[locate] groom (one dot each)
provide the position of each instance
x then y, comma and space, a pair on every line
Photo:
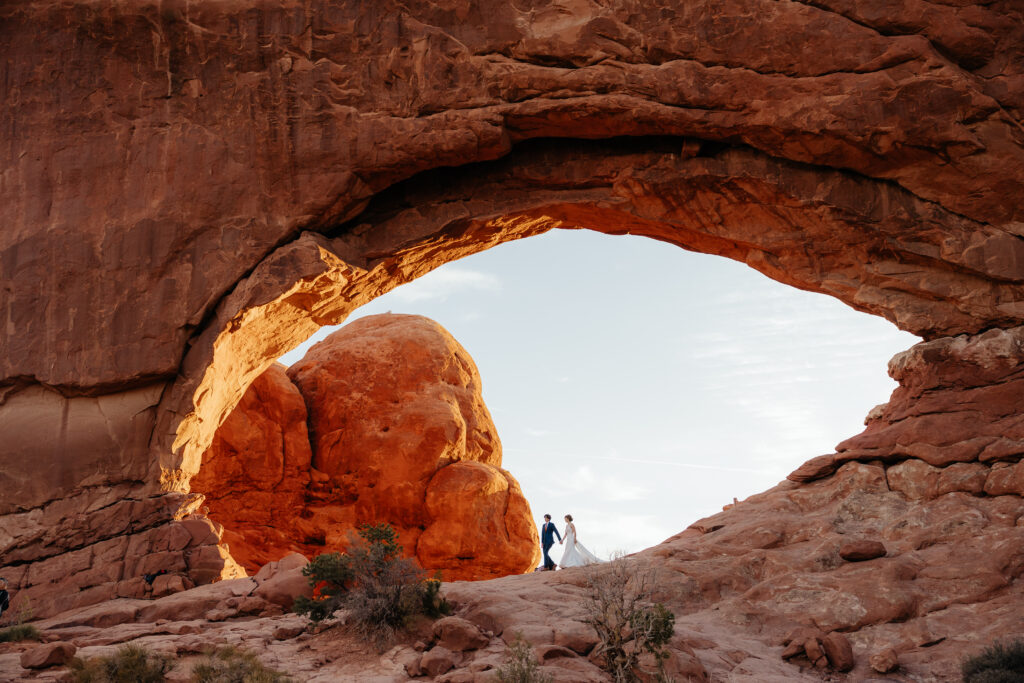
547, 539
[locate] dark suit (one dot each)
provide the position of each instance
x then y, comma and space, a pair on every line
547, 539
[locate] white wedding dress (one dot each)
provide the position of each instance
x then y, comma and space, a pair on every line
575, 554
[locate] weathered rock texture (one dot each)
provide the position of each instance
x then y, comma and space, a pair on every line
400, 435
256, 474
190, 188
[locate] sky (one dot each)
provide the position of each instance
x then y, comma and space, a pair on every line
641, 387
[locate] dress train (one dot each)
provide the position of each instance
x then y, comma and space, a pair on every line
575, 554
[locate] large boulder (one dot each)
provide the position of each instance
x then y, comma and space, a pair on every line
480, 523
47, 655
400, 429
400, 435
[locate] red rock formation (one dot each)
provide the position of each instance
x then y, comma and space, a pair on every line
869, 152
480, 523
401, 435
186, 191
256, 473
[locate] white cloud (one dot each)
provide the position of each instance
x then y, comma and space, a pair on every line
439, 284
537, 432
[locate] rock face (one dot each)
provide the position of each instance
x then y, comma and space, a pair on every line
188, 189
400, 435
256, 473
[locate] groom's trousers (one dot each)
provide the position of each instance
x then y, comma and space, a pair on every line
548, 562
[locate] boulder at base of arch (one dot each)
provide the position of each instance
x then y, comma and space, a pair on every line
400, 434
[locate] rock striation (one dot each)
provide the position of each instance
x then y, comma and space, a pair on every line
400, 434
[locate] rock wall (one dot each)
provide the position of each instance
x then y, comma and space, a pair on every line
400, 435
188, 189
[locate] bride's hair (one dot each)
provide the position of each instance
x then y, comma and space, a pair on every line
569, 517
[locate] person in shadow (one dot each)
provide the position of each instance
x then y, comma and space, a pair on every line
5, 597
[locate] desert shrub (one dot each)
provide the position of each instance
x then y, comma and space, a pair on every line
380, 589
231, 665
998, 663
20, 632
331, 576
996, 676
628, 623
520, 665
434, 604
130, 664
24, 611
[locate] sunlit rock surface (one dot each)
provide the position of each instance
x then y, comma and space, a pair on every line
400, 434
256, 474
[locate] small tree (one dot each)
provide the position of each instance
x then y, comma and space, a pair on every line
331, 577
520, 665
628, 624
381, 589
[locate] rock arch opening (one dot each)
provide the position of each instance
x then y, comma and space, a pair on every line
670, 433
869, 243
203, 183
863, 241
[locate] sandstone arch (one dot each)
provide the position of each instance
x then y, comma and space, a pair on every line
179, 175
869, 244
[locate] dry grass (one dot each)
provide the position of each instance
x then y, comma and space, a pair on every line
520, 665
19, 632
130, 664
232, 665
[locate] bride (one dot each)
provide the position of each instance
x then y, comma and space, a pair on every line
575, 554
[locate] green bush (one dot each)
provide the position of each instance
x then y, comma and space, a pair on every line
381, 589
998, 663
20, 632
131, 664
434, 604
231, 665
520, 665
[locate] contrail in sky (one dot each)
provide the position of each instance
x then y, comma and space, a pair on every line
643, 461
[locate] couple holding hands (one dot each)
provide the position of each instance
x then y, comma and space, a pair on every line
575, 555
